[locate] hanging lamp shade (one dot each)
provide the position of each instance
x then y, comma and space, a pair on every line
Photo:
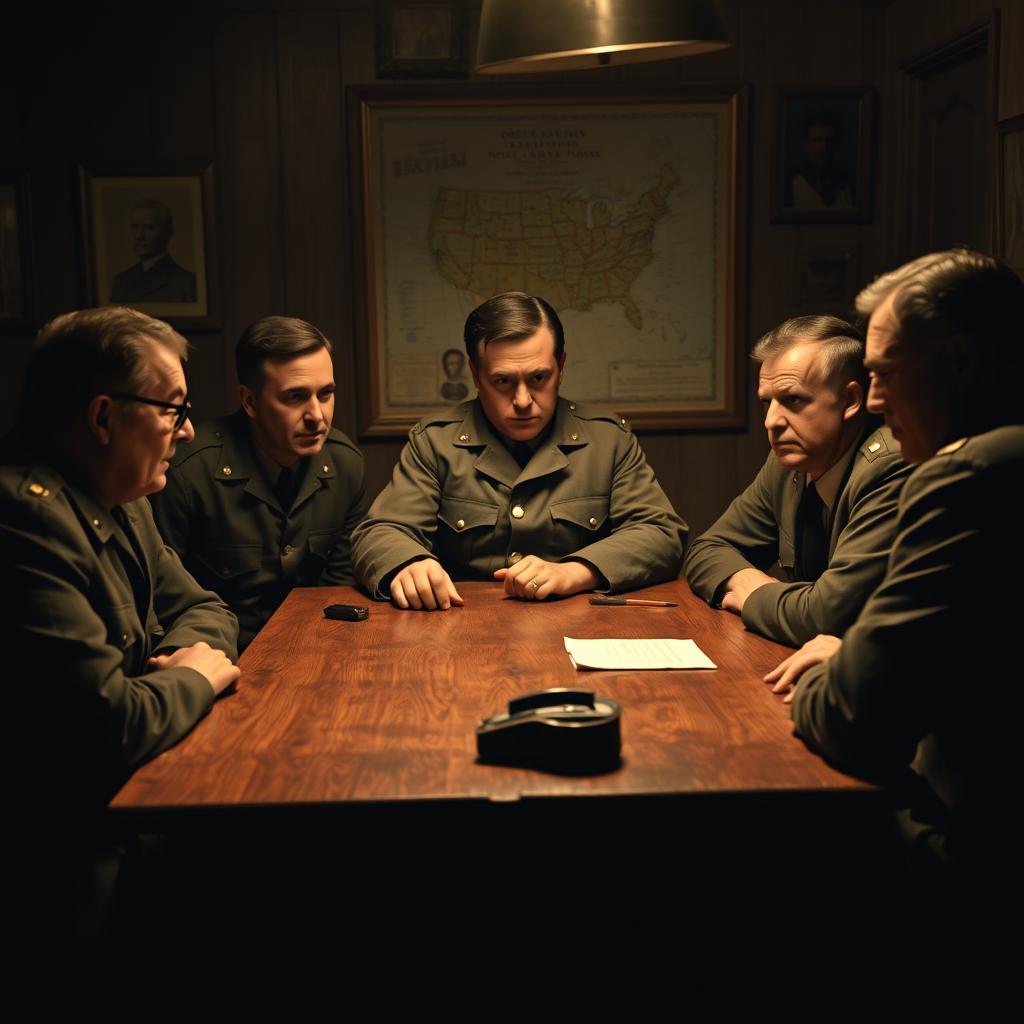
520, 36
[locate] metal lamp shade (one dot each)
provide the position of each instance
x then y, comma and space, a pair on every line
520, 36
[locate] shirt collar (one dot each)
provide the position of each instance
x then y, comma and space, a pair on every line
828, 483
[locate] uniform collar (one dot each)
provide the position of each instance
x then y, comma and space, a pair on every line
475, 432
240, 459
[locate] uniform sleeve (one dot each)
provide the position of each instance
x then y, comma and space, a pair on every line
402, 522
867, 707
745, 536
186, 611
99, 722
794, 613
338, 571
647, 537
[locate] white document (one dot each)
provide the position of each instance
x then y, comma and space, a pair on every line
631, 655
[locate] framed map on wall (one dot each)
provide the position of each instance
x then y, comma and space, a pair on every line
623, 211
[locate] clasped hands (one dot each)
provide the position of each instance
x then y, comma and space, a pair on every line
424, 584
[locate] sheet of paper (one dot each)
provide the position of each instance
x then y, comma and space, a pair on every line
629, 655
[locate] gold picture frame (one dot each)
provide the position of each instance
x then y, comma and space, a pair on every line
626, 212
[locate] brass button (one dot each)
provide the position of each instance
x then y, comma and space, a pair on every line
226, 470
288, 549
327, 468
96, 523
623, 422
463, 437
572, 407
124, 638
574, 436
514, 557
592, 521
874, 447
518, 512
37, 488
460, 523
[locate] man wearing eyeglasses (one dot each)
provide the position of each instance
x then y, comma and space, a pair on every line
265, 500
118, 651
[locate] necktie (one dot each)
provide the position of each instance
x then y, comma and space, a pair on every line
284, 489
813, 538
522, 453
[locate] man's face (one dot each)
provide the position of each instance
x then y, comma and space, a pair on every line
142, 437
149, 235
804, 416
517, 382
453, 365
292, 411
911, 391
820, 143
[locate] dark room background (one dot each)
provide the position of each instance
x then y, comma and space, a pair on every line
259, 91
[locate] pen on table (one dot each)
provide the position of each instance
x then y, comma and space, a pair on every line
632, 600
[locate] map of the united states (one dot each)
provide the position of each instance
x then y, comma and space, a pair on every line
574, 251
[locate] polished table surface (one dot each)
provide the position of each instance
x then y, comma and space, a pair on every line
342, 713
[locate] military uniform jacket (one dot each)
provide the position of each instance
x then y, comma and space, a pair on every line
165, 281
219, 512
458, 495
85, 605
931, 667
760, 527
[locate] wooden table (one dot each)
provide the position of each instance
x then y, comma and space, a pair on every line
340, 784
334, 714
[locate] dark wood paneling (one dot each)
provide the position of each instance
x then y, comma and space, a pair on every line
259, 88
316, 253
249, 165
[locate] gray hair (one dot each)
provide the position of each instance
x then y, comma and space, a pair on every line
842, 346
91, 352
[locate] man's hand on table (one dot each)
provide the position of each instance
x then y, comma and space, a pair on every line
787, 673
213, 665
532, 578
740, 585
425, 586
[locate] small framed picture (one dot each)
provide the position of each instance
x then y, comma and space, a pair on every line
421, 39
1010, 193
15, 254
823, 159
825, 280
149, 243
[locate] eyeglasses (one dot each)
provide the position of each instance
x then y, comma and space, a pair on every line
181, 411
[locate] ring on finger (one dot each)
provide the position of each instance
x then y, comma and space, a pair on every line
533, 585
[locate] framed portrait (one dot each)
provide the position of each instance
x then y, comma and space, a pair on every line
622, 210
15, 254
1010, 193
821, 170
421, 39
826, 280
148, 242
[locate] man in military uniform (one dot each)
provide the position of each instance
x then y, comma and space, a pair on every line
118, 650
156, 277
518, 485
266, 499
823, 505
926, 676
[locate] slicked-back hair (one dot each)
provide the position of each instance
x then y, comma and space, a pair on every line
511, 316
958, 291
87, 353
962, 297
274, 337
842, 347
